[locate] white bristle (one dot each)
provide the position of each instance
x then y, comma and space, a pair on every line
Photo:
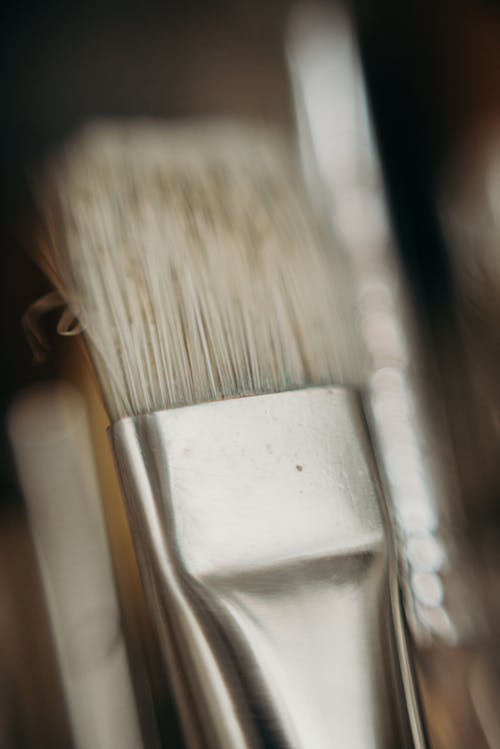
193, 262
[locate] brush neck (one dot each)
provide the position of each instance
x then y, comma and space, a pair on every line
262, 548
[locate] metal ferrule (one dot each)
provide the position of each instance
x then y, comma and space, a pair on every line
262, 547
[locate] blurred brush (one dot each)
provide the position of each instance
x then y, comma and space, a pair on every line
50, 436
217, 317
154, 700
409, 423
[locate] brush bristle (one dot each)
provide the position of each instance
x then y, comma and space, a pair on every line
192, 260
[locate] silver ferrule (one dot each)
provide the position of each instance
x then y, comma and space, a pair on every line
262, 548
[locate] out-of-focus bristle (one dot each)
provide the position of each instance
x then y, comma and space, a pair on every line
194, 264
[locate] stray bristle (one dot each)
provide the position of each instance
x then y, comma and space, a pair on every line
194, 265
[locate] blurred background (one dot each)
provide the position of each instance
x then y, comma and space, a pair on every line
433, 69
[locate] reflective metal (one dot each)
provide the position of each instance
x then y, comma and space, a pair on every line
341, 164
407, 420
263, 551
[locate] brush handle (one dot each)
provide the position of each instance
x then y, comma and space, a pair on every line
50, 435
263, 551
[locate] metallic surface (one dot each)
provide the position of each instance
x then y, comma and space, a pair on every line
406, 415
342, 166
262, 546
